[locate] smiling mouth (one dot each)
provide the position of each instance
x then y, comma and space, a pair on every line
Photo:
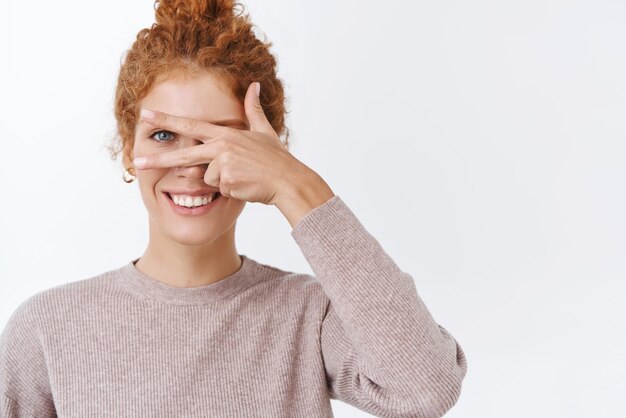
189, 204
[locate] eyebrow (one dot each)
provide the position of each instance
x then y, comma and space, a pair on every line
223, 122
230, 122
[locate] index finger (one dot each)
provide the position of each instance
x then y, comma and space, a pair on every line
188, 156
193, 128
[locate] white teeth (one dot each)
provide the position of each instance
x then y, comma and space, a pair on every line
192, 201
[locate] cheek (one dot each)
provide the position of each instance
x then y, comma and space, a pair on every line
142, 147
236, 207
148, 180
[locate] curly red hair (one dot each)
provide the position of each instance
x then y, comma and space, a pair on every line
191, 37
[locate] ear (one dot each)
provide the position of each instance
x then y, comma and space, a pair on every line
127, 155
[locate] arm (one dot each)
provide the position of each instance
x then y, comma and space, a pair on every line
383, 351
24, 387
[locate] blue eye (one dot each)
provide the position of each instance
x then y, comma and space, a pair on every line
161, 138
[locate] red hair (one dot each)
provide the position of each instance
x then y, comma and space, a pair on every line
191, 37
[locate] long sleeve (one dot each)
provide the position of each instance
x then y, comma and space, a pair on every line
383, 351
24, 386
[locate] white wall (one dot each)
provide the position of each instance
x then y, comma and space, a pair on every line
481, 142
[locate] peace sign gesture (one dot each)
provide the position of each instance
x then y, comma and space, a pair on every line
251, 165
246, 165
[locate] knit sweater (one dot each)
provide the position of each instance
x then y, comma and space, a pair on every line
261, 342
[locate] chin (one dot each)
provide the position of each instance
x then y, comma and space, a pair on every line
194, 239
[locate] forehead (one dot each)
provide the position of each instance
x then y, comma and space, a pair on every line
205, 97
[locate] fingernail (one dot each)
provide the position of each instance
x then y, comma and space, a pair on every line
147, 113
258, 89
140, 161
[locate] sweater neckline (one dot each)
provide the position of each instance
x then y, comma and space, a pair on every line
149, 287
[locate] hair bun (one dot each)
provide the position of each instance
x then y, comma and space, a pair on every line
168, 11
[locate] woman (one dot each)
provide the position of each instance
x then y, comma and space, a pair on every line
192, 328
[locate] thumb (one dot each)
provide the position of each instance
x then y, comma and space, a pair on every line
254, 111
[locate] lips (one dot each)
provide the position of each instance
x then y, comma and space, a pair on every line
197, 192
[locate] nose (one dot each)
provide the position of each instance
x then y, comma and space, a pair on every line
191, 171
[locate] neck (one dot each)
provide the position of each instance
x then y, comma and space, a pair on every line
182, 265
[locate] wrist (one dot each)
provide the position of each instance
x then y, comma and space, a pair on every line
300, 197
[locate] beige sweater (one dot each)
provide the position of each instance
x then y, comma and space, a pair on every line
262, 342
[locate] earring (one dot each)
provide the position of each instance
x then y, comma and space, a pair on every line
129, 175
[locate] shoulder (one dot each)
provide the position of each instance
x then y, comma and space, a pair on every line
46, 305
287, 283
76, 290
290, 294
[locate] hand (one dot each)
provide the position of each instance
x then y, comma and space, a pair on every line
249, 165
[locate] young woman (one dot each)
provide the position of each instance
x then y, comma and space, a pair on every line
192, 328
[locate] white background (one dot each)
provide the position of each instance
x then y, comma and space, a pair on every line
482, 143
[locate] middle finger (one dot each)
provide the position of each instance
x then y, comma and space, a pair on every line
192, 128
